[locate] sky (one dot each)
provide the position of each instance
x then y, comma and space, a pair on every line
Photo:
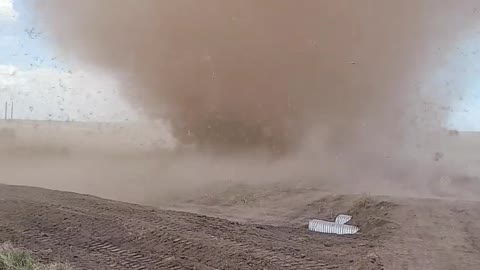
41, 85
461, 77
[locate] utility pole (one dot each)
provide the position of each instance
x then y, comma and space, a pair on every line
11, 112
6, 110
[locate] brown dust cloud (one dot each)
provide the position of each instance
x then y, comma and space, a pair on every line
330, 88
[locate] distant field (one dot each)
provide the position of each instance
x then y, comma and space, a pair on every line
60, 138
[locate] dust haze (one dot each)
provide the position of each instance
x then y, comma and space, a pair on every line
330, 87
250, 73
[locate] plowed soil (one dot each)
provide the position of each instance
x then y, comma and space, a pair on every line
402, 232
93, 233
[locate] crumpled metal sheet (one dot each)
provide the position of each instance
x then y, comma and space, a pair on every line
322, 226
343, 219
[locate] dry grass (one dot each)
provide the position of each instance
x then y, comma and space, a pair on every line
12, 258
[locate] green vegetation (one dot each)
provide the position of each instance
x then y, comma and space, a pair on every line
18, 259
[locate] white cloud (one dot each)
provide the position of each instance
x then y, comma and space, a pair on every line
7, 12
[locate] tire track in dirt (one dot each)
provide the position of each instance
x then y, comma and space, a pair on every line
99, 243
95, 234
227, 237
228, 244
218, 232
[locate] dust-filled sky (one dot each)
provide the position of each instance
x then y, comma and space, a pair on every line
46, 84
41, 85
364, 86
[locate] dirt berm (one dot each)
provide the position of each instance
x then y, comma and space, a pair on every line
93, 233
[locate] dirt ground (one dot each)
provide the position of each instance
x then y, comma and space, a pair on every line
267, 112
403, 232
414, 210
93, 233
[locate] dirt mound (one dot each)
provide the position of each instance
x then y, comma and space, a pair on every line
402, 233
372, 216
93, 233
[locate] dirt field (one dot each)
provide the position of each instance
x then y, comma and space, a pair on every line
403, 232
93, 233
256, 116
237, 213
